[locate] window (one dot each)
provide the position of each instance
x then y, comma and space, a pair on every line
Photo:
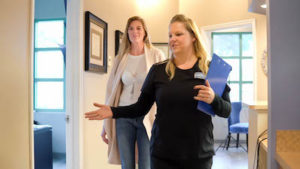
236, 48
49, 65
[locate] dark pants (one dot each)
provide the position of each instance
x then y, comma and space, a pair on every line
160, 163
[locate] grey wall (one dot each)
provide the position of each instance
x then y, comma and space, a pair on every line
284, 75
52, 9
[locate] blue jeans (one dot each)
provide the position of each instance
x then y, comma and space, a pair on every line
129, 131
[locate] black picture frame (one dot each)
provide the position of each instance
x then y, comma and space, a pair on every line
118, 40
95, 44
164, 47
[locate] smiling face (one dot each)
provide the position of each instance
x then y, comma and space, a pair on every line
136, 32
180, 40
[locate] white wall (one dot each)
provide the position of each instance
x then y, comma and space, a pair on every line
204, 12
284, 76
15, 84
116, 13
15, 90
213, 13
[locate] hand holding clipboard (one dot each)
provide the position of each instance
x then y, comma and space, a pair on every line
217, 76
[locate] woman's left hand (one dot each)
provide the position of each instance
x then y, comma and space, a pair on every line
205, 93
103, 112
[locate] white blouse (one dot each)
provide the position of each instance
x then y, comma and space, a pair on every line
133, 78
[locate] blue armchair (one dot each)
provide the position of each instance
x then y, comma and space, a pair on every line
235, 126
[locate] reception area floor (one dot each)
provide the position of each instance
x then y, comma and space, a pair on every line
233, 158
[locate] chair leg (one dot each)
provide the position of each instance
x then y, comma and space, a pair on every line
228, 140
247, 141
237, 140
223, 144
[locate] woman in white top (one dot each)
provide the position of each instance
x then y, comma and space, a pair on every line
135, 57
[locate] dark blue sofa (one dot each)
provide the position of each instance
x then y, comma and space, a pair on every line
43, 147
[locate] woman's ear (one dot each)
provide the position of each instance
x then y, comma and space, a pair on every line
194, 39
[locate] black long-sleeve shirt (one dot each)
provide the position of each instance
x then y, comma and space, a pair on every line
180, 130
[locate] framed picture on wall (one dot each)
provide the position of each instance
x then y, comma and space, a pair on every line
164, 47
118, 40
95, 44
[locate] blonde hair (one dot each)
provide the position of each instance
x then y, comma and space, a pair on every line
126, 44
198, 47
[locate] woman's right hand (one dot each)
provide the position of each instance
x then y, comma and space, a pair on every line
103, 135
103, 112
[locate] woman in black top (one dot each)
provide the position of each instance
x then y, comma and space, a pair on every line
182, 136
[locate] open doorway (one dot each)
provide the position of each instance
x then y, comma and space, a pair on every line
49, 88
235, 43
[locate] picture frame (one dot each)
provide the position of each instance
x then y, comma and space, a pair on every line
95, 44
118, 40
164, 47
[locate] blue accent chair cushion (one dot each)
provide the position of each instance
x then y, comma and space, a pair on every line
239, 128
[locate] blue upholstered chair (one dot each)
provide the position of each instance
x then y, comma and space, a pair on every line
235, 126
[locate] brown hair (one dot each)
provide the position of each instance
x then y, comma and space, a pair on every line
199, 49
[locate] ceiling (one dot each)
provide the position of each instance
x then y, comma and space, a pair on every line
254, 6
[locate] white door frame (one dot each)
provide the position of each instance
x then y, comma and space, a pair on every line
74, 84
206, 36
74, 89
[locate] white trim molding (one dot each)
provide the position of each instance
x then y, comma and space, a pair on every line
74, 84
207, 30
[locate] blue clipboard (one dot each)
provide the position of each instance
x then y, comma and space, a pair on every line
217, 76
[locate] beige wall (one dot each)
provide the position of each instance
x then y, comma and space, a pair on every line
213, 12
15, 120
116, 13
158, 17
15, 86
